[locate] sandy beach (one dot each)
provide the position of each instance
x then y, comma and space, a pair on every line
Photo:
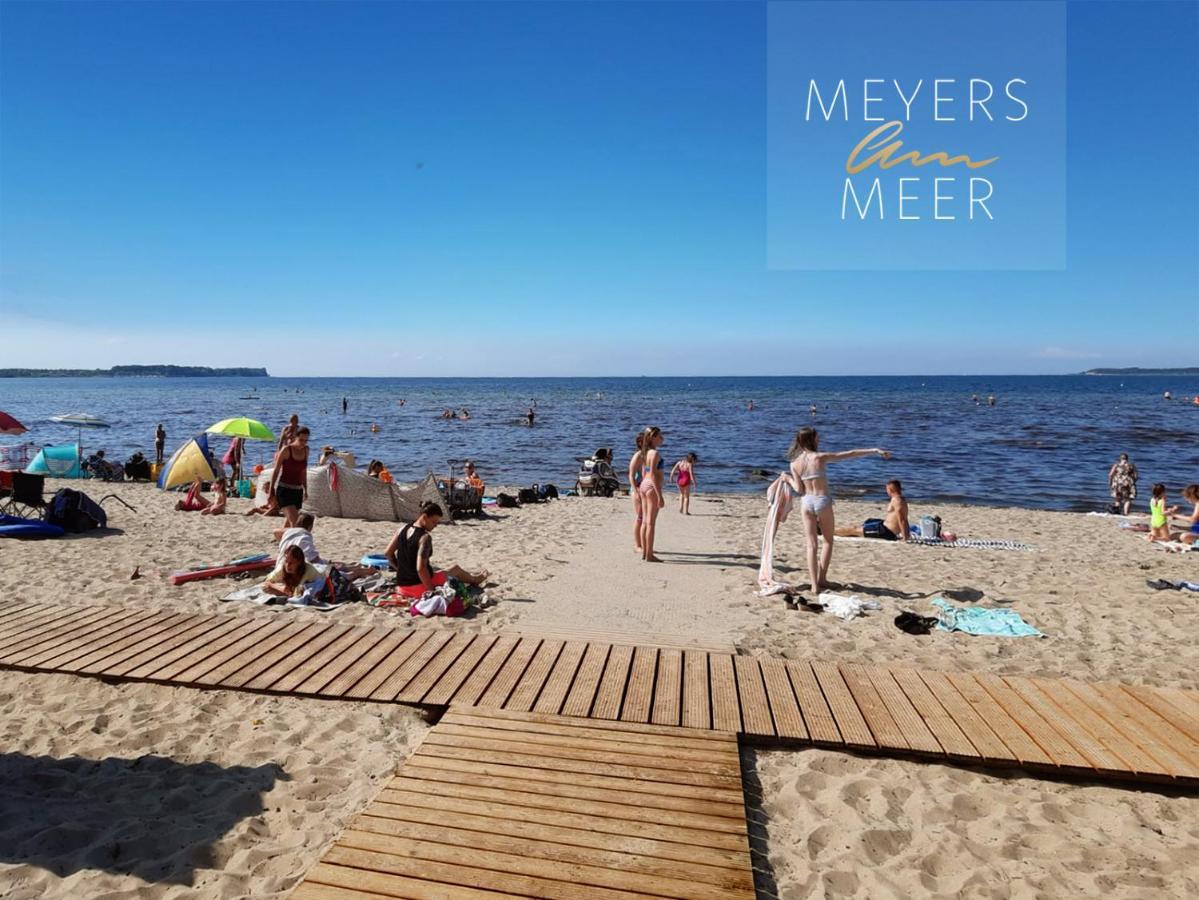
142, 790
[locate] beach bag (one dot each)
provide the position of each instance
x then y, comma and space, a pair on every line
547, 492
75, 511
528, 495
442, 602
340, 588
872, 528
506, 501
930, 527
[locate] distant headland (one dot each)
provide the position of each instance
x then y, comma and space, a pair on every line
137, 372
1193, 370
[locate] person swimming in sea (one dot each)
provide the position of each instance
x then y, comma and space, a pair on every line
809, 476
683, 474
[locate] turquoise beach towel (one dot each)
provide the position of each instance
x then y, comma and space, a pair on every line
992, 622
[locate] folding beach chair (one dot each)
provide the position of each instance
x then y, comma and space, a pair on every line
26, 498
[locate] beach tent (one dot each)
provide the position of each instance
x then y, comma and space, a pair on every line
334, 490
61, 461
191, 461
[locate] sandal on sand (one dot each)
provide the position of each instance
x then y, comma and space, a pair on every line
911, 623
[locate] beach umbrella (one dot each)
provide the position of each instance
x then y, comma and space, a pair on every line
190, 461
243, 428
10, 426
80, 421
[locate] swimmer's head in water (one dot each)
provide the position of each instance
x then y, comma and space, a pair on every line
806, 440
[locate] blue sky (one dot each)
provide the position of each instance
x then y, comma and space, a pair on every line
526, 189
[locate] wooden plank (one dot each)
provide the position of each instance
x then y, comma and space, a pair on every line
653, 746
456, 675
668, 688
1157, 736
569, 793
1187, 701
169, 668
915, 732
514, 742
1134, 758
818, 718
127, 645
1079, 737
1016, 742
985, 742
394, 885
697, 695
788, 721
850, 722
60, 655
717, 848
629, 639
398, 679
248, 651
1059, 749
396, 852
1129, 728
266, 628
564, 845
1167, 710
480, 678
639, 693
589, 778
590, 731
376, 646
610, 694
884, 729
586, 680
204, 628
524, 695
599, 725
726, 709
436, 667
153, 659
561, 677
755, 707
514, 793
949, 736
386, 666
19, 618
510, 672
269, 678
288, 649
39, 634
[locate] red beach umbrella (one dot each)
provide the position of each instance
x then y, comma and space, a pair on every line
9, 425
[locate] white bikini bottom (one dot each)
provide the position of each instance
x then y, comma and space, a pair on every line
814, 503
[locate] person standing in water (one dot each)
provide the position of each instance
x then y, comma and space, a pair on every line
160, 443
634, 472
809, 477
345, 405
1122, 480
652, 500
683, 474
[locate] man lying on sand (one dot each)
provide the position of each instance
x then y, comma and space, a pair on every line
894, 524
410, 551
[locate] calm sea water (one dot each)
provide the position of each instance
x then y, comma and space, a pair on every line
1048, 442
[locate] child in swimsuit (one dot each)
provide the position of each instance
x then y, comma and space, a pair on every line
1159, 515
683, 474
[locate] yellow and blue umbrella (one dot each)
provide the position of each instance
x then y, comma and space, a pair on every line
191, 461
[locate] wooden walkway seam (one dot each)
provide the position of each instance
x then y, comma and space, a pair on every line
1051, 725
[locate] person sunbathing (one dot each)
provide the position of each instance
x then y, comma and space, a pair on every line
217, 506
894, 524
409, 555
195, 500
294, 578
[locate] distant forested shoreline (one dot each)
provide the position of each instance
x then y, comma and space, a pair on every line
1192, 370
137, 372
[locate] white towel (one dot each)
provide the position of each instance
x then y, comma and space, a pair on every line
781, 499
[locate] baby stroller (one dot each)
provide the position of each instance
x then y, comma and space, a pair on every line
596, 476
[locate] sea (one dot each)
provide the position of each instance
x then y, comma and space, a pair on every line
1047, 442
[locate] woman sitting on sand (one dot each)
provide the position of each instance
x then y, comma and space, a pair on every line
1191, 533
217, 506
410, 553
683, 474
810, 478
650, 488
294, 578
195, 499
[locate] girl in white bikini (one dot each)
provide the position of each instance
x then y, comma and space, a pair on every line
809, 478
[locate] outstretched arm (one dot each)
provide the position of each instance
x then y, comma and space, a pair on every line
855, 454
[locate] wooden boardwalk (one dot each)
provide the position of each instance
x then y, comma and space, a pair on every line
532, 805
1107, 731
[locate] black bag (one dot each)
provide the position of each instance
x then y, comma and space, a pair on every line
75, 511
528, 495
872, 528
547, 492
340, 588
506, 501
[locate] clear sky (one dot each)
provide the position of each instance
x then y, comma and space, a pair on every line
527, 189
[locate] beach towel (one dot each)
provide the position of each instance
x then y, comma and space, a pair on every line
973, 544
979, 621
781, 499
846, 606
